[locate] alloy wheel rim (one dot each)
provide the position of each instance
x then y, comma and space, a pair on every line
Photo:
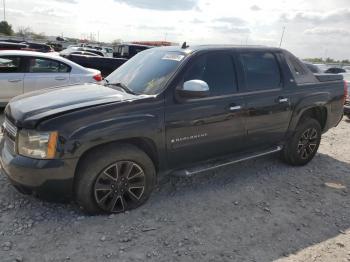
119, 186
307, 143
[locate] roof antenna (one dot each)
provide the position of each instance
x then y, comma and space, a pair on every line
184, 45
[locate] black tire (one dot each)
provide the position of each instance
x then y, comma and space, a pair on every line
23, 190
303, 145
111, 166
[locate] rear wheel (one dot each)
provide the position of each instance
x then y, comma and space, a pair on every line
114, 180
303, 146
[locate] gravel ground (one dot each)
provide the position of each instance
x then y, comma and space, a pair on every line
260, 210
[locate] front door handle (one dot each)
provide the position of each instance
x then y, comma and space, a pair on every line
282, 100
60, 78
15, 80
235, 108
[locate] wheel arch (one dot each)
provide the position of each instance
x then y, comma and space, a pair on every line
145, 144
319, 113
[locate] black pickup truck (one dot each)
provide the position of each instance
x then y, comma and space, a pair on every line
168, 110
105, 64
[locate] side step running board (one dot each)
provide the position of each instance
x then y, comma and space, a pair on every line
210, 165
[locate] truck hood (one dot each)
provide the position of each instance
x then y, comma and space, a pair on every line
26, 110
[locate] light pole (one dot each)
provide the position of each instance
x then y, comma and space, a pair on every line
3, 1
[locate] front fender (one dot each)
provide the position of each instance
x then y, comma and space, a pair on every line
111, 130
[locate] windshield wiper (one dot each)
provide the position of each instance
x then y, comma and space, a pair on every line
122, 86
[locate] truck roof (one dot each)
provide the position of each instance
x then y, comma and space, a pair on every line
195, 48
137, 45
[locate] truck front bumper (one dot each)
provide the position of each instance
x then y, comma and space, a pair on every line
50, 179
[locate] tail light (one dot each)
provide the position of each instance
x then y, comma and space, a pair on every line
98, 77
346, 91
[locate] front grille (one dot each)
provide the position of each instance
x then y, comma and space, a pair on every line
347, 102
10, 128
10, 134
10, 144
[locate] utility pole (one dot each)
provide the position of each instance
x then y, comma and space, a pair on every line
3, 1
284, 29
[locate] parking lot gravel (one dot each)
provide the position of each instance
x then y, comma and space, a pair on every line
260, 210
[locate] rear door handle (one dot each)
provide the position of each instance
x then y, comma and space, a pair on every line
60, 78
235, 108
14, 80
282, 100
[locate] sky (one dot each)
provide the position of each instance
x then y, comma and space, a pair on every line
313, 28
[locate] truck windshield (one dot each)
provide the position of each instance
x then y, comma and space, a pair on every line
148, 71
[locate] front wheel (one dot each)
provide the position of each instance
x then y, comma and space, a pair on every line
115, 179
303, 146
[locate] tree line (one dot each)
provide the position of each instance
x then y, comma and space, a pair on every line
327, 61
6, 29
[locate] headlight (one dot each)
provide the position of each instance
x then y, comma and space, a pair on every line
36, 144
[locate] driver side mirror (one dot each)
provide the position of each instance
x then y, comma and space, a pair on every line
194, 89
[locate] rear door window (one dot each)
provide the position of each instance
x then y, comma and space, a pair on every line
217, 70
300, 72
261, 71
296, 67
42, 65
11, 64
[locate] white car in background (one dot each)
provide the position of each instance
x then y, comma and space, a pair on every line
323, 67
69, 51
347, 68
25, 71
108, 51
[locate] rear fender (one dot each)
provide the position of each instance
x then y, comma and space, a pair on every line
319, 100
